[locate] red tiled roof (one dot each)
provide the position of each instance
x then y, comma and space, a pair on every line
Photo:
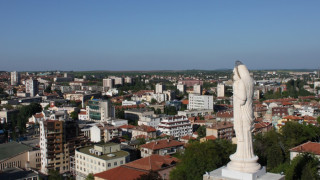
212, 137
82, 113
145, 128
311, 147
308, 118
187, 137
121, 173
154, 162
261, 125
200, 121
293, 117
135, 169
185, 101
162, 144
127, 126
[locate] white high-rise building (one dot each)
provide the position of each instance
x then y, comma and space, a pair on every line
32, 87
159, 88
128, 80
197, 101
220, 90
15, 78
181, 87
108, 83
118, 81
197, 89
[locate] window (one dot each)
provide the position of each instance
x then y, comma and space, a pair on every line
109, 164
115, 163
121, 162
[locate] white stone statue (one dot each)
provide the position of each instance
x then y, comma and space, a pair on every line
243, 159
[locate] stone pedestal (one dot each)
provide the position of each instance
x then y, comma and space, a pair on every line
244, 165
224, 173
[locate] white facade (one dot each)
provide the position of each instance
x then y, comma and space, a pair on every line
111, 92
197, 89
181, 88
118, 81
149, 121
306, 111
15, 78
32, 87
98, 158
159, 88
95, 134
128, 103
128, 80
194, 113
118, 122
220, 90
108, 83
200, 101
176, 126
160, 97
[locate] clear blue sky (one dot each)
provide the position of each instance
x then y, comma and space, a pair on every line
158, 35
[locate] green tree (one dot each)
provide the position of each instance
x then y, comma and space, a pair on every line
303, 167
74, 115
153, 101
199, 158
90, 177
54, 175
152, 175
201, 131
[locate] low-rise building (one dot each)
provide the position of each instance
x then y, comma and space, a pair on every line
98, 158
161, 147
195, 113
19, 155
221, 130
308, 147
133, 170
136, 114
149, 121
146, 132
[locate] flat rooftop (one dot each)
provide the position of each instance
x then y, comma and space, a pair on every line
12, 149
118, 154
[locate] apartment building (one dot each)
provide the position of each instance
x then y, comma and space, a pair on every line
58, 140
176, 126
220, 90
99, 110
108, 83
98, 158
197, 89
197, 101
32, 87
159, 88
221, 130
15, 78
161, 147
152, 121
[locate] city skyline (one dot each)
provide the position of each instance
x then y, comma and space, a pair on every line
166, 35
